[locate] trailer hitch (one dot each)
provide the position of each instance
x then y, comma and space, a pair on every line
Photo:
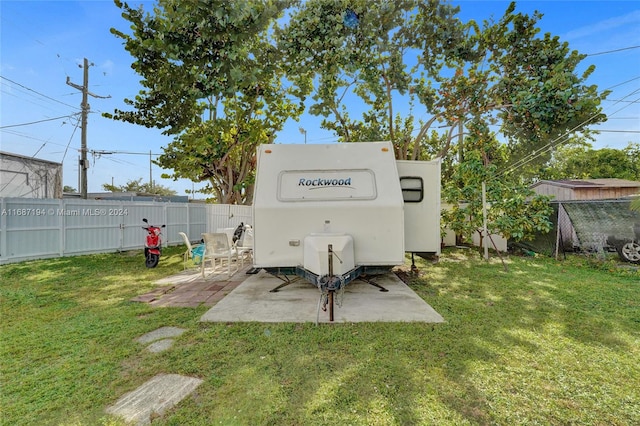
329, 284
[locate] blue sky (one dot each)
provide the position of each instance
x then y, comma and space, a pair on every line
44, 42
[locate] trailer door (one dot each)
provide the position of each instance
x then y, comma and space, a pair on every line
420, 183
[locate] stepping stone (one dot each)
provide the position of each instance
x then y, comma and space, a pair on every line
153, 398
161, 333
160, 345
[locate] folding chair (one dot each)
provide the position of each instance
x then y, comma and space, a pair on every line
245, 247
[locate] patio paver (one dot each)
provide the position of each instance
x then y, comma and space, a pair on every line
189, 290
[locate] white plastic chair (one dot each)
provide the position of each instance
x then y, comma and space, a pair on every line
245, 248
229, 232
189, 254
216, 246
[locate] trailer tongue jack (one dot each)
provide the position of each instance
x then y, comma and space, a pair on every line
329, 284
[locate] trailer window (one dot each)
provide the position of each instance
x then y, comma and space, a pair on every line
412, 189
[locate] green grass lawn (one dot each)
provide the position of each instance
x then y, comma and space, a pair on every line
547, 342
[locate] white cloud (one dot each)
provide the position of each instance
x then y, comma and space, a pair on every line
107, 67
632, 18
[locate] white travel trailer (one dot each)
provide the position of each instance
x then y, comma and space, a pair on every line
332, 213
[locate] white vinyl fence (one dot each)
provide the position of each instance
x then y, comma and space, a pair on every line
44, 228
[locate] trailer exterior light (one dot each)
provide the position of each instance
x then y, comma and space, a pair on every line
267, 151
385, 149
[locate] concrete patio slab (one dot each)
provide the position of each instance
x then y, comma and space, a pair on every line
153, 398
299, 302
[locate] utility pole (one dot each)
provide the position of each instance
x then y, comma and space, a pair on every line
304, 132
84, 163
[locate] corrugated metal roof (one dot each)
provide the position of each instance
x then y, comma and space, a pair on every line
590, 183
10, 155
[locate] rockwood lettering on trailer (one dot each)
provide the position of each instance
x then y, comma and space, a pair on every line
324, 182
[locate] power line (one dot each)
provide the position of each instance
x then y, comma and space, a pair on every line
31, 98
39, 121
560, 139
613, 51
544, 149
109, 152
70, 139
38, 93
117, 161
22, 135
620, 100
623, 83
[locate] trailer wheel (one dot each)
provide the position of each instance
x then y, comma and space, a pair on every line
629, 252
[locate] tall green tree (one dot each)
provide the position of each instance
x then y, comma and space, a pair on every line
352, 58
139, 186
361, 60
211, 78
584, 162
